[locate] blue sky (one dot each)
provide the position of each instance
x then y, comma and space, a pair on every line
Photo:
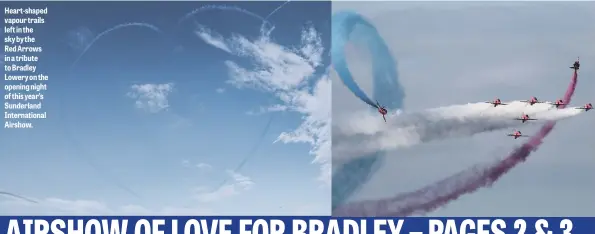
150, 122
511, 50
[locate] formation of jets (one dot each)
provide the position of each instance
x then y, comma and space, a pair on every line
557, 104
524, 118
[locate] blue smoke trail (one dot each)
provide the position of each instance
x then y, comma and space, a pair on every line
352, 175
342, 26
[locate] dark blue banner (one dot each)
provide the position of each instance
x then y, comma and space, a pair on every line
296, 225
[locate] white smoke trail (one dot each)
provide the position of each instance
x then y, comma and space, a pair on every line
365, 132
106, 32
263, 26
263, 30
14, 195
277, 9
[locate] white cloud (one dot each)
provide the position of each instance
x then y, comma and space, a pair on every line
220, 90
211, 38
315, 129
285, 72
177, 121
80, 38
267, 109
151, 97
203, 166
59, 206
278, 69
238, 184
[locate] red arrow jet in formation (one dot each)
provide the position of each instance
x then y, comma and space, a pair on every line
382, 110
576, 64
497, 102
586, 107
517, 134
524, 118
532, 101
559, 103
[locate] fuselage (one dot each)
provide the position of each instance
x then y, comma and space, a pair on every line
576, 65
517, 134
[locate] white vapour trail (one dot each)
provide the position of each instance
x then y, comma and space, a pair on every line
365, 132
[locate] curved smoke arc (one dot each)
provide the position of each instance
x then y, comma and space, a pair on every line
349, 177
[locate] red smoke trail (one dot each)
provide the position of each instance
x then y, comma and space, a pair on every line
438, 194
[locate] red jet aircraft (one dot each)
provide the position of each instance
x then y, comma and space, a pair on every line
524, 118
576, 64
532, 101
517, 134
559, 103
497, 102
381, 110
587, 107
